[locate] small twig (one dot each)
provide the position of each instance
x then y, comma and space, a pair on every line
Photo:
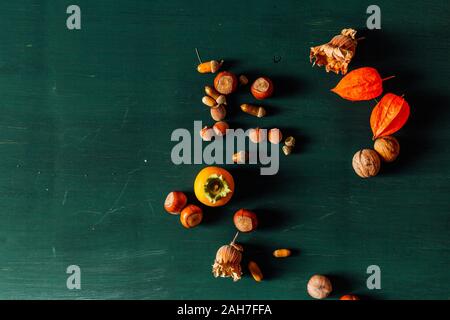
388, 78
362, 38
235, 237
198, 56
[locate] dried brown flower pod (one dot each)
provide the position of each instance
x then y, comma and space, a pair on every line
387, 147
366, 163
336, 54
228, 261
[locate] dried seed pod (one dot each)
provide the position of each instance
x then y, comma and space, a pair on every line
275, 136
389, 115
220, 128
336, 54
228, 261
208, 101
210, 66
243, 80
287, 150
220, 98
256, 111
240, 157
282, 253
387, 147
175, 202
218, 113
366, 163
360, 84
207, 133
290, 141
255, 271
319, 286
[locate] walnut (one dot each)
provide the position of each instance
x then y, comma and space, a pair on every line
366, 163
319, 286
387, 147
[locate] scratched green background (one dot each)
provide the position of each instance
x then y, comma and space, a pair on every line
85, 124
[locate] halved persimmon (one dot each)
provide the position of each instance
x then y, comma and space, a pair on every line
214, 186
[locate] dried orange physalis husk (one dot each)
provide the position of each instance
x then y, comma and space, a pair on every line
228, 262
389, 115
360, 84
336, 54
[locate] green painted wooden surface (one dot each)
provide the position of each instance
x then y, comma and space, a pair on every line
85, 124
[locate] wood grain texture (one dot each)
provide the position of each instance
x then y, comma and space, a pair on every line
85, 125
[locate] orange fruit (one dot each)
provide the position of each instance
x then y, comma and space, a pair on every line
214, 186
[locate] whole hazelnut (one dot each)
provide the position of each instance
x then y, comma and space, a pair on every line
218, 113
175, 202
220, 128
319, 286
225, 82
191, 216
257, 135
275, 136
387, 147
262, 88
207, 133
245, 220
366, 163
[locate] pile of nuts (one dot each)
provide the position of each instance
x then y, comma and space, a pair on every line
190, 214
228, 258
225, 83
262, 88
367, 162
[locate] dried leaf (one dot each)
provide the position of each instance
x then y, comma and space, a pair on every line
336, 54
389, 115
360, 84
